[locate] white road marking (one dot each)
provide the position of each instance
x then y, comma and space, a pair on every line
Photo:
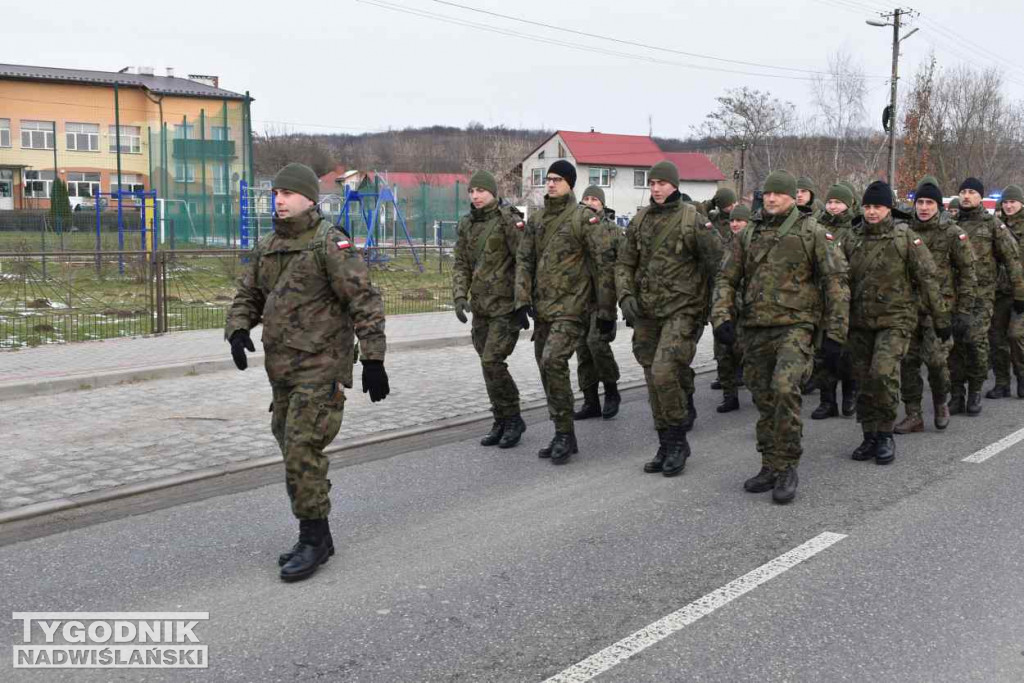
641, 640
997, 447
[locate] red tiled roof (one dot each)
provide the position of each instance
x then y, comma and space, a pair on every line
614, 150
694, 166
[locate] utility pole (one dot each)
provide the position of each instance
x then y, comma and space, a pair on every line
897, 22
738, 176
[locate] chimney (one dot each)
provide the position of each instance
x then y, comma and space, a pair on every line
170, 72
146, 71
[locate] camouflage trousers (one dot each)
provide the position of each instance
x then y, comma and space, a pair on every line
729, 360
877, 357
968, 363
596, 359
926, 348
553, 346
494, 339
305, 420
664, 348
776, 362
1006, 340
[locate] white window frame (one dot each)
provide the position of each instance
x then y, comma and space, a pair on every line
537, 177
188, 130
604, 176
33, 179
220, 180
131, 139
77, 179
184, 172
646, 174
220, 132
132, 182
77, 132
37, 131
5, 132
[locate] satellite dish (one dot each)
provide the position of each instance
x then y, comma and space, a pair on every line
886, 118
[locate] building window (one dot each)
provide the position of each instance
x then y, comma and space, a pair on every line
82, 137
38, 184
184, 172
5, 132
184, 132
83, 184
561, 151
600, 177
220, 179
537, 177
640, 178
540, 155
131, 139
129, 182
37, 134
220, 133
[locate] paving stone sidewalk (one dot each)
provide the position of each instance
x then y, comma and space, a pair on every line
66, 444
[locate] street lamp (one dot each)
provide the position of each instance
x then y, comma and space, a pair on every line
897, 15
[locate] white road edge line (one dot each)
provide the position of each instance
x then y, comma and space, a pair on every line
997, 447
641, 640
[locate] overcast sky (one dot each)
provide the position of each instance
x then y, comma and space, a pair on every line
351, 66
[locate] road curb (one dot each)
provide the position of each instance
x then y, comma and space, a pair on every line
128, 490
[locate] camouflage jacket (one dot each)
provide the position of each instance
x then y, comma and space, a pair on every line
557, 255
795, 279
1015, 224
667, 259
892, 275
954, 261
993, 245
311, 305
839, 225
485, 271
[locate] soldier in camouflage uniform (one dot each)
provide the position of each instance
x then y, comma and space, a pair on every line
954, 265
309, 286
729, 358
953, 209
993, 246
718, 210
837, 218
1006, 336
892, 276
661, 278
594, 352
783, 271
807, 196
558, 258
483, 282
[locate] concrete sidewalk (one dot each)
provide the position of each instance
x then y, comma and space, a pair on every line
90, 365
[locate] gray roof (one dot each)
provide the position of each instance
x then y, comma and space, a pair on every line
160, 85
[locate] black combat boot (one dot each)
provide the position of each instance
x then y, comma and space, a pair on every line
691, 414
957, 404
562, 446
866, 450
1020, 386
591, 405
717, 384
973, 403
310, 552
785, 486
999, 391
612, 399
730, 402
677, 450
739, 377
283, 558
827, 408
885, 450
808, 387
761, 482
655, 466
493, 437
849, 397
514, 428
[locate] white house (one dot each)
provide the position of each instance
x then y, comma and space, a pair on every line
618, 164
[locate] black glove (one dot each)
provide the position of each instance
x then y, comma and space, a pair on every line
726, 333
961, 325
630, 309
832, 351
461, 306
240, 340
522, 315
1018, 306
605, 326
375, 380
944, 333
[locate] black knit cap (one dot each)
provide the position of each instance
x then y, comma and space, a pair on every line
563, 169
972, 183
878, 194
929, 191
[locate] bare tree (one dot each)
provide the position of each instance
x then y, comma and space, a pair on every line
839, 99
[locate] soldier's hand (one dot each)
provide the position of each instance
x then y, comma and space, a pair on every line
1018, 306
375, 380
832, 350
461, 306
630, 309
726, 333
606, 330
961, 325
240, 340
522, 315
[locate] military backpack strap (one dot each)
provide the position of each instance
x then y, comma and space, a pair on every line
319, 245
556, 222
481, 242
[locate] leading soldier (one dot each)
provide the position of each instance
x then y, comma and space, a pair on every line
557, 256
483, 282
309, 286
783, 272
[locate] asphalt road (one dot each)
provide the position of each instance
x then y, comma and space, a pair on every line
459, 563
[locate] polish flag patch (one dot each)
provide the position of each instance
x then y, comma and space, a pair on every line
343, 244
520, 225
829, 236
594, 219
917, 242
963, 237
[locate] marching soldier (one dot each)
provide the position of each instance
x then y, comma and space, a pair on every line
1006, 336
